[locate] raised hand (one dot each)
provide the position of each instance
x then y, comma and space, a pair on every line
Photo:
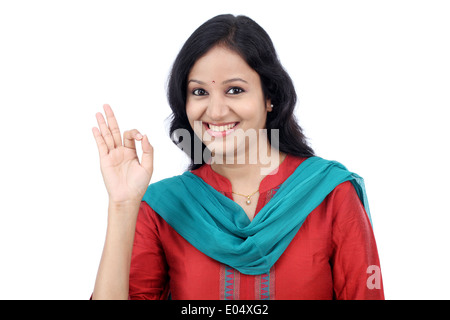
125, 178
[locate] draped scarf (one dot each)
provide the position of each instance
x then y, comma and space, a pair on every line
219, 227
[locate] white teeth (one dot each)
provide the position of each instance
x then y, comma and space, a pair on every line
221, 128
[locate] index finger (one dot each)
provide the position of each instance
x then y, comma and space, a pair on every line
112, 124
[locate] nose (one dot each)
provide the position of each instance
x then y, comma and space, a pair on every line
217, 108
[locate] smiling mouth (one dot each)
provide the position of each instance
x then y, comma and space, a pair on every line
220, 128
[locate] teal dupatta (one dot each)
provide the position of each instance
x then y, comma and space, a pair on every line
219, 227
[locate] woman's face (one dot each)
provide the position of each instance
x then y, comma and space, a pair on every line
224, 95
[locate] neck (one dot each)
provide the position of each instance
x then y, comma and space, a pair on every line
246, 177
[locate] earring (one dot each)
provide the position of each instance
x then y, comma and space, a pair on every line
271, 106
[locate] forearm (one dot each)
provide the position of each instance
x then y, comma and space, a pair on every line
113, 273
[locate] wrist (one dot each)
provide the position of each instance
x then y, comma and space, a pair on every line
123, 210
124, 204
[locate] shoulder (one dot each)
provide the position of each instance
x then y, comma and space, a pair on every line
344, 185
169, 180
347, 209
146, 216
166, 184
343, 191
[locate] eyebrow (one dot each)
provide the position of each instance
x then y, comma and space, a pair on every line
225, 82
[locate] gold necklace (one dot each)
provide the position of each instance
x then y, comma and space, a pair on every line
248, 202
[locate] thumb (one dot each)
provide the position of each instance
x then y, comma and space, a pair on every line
147, 155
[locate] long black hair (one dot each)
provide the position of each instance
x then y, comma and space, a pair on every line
244, 36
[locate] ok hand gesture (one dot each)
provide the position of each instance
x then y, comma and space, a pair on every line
125, 178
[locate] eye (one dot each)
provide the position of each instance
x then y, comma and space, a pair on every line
235, 90
199, 92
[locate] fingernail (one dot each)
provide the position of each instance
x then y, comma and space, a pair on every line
139, 136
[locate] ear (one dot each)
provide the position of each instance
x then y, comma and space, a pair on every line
269, 105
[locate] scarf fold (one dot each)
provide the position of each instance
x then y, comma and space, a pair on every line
219, 227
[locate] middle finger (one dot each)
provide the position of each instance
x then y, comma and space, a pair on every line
107, 136
112, 124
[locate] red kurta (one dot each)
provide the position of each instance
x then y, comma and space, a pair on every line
333, 255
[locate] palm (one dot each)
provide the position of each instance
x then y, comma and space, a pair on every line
125, 178
123, 174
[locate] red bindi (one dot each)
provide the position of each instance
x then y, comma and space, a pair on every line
213, 81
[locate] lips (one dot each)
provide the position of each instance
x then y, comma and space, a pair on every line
220, 129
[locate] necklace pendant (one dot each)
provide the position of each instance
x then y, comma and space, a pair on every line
248, 202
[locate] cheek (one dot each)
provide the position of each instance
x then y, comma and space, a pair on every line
253, 107
194, 113
253, 112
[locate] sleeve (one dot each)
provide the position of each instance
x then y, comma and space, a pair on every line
148, 270
355, 261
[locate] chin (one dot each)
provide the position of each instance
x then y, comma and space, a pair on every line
232, 153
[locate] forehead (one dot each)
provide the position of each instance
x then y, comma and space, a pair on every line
221, 63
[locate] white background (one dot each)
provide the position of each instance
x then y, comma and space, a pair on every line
373, 80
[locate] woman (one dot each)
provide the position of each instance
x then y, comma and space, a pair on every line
257, 216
